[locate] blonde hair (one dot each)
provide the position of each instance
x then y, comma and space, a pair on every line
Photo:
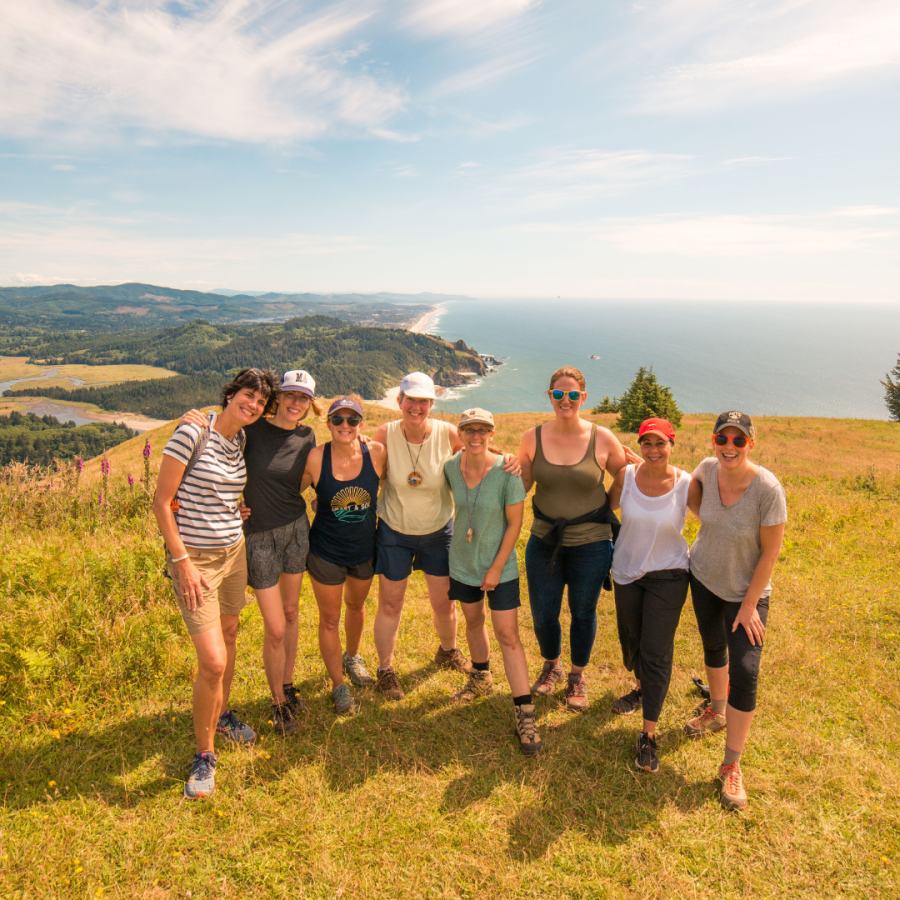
568, 372
313, 405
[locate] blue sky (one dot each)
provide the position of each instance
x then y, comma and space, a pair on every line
658, 148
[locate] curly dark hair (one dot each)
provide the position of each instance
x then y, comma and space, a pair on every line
262, 380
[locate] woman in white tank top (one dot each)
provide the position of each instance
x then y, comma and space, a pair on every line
650, 575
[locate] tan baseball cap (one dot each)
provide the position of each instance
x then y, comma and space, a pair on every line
476, 416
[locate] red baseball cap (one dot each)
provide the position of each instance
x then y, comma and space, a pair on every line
661, 427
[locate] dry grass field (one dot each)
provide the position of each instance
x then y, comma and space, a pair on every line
423, 800
12, 367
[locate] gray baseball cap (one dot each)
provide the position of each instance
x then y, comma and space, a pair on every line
735, 419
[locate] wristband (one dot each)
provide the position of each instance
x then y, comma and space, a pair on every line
180, 558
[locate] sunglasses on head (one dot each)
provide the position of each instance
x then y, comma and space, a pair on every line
338, 420
573, 395
739, 440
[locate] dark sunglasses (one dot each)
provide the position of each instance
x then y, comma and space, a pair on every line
337, 420
738, 440
573, 395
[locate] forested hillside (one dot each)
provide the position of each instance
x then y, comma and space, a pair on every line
39, 440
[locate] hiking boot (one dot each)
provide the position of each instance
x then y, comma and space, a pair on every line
708, 722
628, 704
294, 700
526, 730
733, 795
202, 780
576, 693
646, 759
344, 704
389, 684
282, 720
550, 674
355, 670
480, 684
452, 659
233, 729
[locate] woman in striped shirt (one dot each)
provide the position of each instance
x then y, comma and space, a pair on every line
201, 478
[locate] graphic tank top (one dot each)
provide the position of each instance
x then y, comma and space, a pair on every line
343, 531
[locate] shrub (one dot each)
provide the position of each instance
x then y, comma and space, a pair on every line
892, 392
645, 397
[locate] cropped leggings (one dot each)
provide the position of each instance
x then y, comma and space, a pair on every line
724, 647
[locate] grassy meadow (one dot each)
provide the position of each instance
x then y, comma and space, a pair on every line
421, 799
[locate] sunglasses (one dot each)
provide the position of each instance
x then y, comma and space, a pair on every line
738, 440
479, 431
337, 420
573, 395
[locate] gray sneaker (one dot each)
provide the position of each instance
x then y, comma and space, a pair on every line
233, 729
344, 704
202, 780
355, 670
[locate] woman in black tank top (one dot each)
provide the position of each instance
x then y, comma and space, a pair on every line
345, 473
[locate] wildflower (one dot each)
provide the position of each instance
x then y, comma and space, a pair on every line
130, 480
146, 450
51, 784
79, 464
104, 465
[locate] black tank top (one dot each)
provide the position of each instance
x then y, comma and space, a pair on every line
343, 531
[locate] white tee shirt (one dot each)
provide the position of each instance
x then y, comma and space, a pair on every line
651, 536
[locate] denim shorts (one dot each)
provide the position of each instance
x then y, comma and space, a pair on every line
282, 549
397, 554
504, 596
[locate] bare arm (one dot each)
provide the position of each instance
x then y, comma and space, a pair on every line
378, 452
695, 496
313, 468
171, 471
609, 446
614, 494
526, 458
770, 539
456, 443
514, 514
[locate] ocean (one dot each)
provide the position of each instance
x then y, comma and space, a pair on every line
797, 359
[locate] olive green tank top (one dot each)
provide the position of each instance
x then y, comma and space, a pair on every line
567, 492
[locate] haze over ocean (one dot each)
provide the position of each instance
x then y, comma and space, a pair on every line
765, 358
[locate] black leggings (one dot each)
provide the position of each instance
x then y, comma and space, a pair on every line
724, 647
647, 613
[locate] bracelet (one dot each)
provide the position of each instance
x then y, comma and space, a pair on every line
180, 558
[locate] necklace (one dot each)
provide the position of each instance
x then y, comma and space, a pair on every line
414, 479
469, 511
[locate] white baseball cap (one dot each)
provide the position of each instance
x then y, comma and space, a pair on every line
418, 384
299, 380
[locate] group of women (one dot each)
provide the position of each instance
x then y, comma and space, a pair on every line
427, 495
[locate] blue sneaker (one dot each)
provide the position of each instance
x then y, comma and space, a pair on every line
202, 780
232, 728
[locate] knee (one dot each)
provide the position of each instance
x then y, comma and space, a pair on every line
743, 676
291, 614
507, 638
475, 619
229, 634
330, 623
211, 668
274, 634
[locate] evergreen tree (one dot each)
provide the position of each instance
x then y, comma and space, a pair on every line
646, 397
606, 406
892, 392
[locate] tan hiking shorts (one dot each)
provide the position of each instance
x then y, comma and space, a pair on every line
225, 568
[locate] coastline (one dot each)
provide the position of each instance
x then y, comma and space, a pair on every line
389, 400
427, 323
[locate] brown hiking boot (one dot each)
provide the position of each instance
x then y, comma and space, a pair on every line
550, 674
733, 795
480, 684
708, 722
576, 693
452, 659
526, 730
389, 684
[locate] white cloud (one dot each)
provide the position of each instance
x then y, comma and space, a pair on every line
480, 76
754, 160
708, 54
244, 70
445, 17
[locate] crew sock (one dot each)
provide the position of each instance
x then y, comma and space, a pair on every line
718, 706
482, 667
731, 756
524, 700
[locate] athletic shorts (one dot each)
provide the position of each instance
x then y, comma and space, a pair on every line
504, 596
397, 554
326, 572
225, 568
282, 549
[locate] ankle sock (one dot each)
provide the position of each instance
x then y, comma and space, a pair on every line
448, 649
482, 667
718, 706
731, 756
524, 700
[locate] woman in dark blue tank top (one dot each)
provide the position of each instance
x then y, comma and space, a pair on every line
345, 473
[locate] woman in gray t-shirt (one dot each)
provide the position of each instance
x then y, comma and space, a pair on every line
742, 513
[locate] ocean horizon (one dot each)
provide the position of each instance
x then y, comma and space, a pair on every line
766, 358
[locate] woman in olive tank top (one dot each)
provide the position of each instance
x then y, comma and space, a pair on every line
571, 536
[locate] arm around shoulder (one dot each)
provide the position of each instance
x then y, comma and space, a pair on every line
608, 445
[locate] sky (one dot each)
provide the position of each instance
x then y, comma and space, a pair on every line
683, 149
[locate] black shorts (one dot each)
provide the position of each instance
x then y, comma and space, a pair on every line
397, 554
282, 549
326, 572
504, 596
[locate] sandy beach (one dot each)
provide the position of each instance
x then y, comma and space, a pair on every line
67, 411
389, 400
428, 322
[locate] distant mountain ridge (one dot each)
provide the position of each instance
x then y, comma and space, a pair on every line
124, 307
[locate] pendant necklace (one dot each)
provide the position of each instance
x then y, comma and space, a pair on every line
469, 511
414, 479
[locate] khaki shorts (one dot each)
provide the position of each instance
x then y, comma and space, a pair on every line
225, 568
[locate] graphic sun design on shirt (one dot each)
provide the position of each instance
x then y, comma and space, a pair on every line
351, 504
